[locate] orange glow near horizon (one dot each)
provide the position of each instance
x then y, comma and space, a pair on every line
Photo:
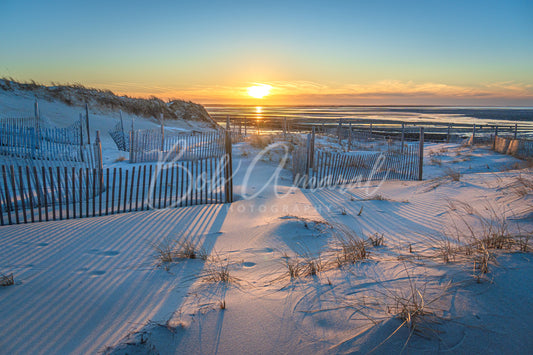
384, 92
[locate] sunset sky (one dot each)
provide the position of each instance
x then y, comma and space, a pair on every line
310, 52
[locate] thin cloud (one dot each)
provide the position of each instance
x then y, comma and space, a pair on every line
288, 92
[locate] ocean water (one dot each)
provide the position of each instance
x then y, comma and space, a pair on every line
468, 115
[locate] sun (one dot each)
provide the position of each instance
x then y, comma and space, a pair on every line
259, 91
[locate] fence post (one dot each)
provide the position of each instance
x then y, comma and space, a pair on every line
245, 126
403, 137
339, 130
122, 128
162, 133
228, 123
515, 130
37, 125
307, 161
230, 152
228, 169
98, 143
350, 137
474, 134
7, 196
132, 159
285, 127
121, 122
449, 133
313, 148
421, 154
36, 107
87, 123
494, 139
81, 129
370, 129
81, 138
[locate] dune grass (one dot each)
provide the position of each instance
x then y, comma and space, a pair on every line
169, 251
7, 280
218, 270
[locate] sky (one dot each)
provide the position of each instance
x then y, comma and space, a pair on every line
379, 52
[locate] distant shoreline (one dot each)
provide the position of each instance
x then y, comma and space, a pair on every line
454, 114
378, 106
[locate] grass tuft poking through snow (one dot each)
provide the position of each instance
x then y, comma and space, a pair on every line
169, 251
376, 239
414, 301
218, 270
446, 250
294, 267
311, 265
188, 250
523, 242
6, 280
522, 185
376, 197
165, 252
484, 235
452, 174
260, 141
351, 248
413, 306
303, 265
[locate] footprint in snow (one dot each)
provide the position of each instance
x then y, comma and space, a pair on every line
103, 253
97, 273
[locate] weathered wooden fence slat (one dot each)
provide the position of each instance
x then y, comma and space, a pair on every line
145, 146
518, 147
66, 193
331, 168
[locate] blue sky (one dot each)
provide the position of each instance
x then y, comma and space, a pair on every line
452, 52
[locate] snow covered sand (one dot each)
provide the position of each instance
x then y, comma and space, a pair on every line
96, 284
19, 103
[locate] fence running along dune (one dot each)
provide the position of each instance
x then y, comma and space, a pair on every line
314, 169
121, 138
29, 194
518, 147
328, 169
36, 138
155, 145
435, 131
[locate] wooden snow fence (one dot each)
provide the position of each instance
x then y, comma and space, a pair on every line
36, 138
315, 169
517, 147
157, 145
328, 169
32, 193
121, 138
